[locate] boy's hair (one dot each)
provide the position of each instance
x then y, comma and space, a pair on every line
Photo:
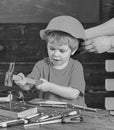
62, 38
67, 24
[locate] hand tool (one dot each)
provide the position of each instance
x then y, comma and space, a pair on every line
49, 103
8, 77
20, 121
10, 94
57, 116
52, 105
73, 106
21, 97
67, 117
13, 122
72, 119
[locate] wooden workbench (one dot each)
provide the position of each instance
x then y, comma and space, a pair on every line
99, 120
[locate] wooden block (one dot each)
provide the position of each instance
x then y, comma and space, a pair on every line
109, 84
18, 110
109, 65
109, 103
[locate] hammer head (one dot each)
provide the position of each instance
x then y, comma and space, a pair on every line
9, 75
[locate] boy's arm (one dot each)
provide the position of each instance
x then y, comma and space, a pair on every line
66, 92
76, 85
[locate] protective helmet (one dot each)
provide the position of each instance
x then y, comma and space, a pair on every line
66, 24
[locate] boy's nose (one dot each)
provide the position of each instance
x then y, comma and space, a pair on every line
56, 53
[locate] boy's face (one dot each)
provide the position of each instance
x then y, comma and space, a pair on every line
58, 54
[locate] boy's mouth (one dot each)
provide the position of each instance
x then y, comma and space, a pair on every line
55, 60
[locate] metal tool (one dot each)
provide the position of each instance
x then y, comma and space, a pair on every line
72, 119
17, 121
67, 117
42, 123
9, 74
53, 105
13, 122
21, 97
10, 94
57, 116
8, 79
74, 106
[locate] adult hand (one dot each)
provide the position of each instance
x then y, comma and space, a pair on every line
98, 45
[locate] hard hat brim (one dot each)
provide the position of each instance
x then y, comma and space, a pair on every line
43, 34
65, 24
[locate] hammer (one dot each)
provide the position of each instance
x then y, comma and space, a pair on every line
9, 77
9, 74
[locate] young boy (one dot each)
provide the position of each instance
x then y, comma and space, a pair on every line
61, 77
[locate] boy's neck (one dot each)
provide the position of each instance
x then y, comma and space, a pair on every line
60, 67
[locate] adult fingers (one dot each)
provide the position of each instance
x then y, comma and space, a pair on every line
89, 47
88, 42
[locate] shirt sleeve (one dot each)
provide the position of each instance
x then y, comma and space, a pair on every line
35, 74
77, 78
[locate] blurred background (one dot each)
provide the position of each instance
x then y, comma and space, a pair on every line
20, 23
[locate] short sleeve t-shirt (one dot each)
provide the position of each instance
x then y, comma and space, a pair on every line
71, 76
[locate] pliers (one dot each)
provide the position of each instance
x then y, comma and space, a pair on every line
72, 119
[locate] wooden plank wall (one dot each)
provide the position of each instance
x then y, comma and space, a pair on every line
41, 11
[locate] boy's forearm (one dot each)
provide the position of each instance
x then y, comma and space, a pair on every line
66, 92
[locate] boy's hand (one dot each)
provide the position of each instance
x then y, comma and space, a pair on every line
20, 80
44, 86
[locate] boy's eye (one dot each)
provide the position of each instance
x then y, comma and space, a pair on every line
62, 51
52, 48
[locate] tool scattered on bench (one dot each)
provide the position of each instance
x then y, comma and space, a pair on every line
67, 117
75, 106
58, 104
20, 121
8, 79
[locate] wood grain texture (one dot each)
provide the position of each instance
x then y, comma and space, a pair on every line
91, 121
